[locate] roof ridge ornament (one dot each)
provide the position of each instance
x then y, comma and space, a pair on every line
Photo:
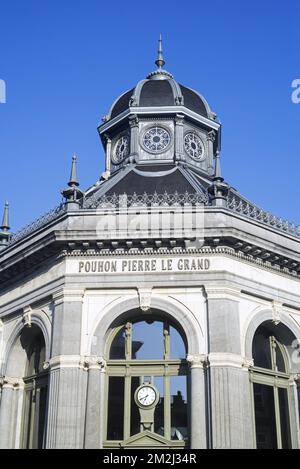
73, 194
5, 234
160, 62
5, 221
160, 73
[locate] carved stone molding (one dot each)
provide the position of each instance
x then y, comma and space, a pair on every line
27, 315
145, 299
297, 379
94, 363
197, 361
247, 363
11, 383
276, 312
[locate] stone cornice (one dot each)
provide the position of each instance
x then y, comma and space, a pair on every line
254, 259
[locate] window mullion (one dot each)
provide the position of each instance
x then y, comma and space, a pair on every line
127, 404
277, 417
167, 404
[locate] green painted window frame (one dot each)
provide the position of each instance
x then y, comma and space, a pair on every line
277, 380
128, 368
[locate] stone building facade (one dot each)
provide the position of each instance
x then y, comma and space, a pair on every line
158, 308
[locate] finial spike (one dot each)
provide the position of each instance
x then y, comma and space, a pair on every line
218, 171
160, 62
73, 178
5, 221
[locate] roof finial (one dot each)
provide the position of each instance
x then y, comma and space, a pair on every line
73, 178
73, 194
160, 57
5, 221
218, 172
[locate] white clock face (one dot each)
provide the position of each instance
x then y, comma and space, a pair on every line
194, 146
146, 396
156, 139
121, 150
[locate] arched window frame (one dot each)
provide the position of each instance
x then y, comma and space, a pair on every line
35, 396
131, 367
277, 380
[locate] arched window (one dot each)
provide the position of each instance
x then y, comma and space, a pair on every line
270, 377
147, 385
35, 393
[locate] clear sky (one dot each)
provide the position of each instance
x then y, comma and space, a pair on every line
65, 61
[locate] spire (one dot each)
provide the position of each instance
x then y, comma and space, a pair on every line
218, 189
160, 73
5, 221
160, 56
73, 178
5, 235
218, 172
73, 194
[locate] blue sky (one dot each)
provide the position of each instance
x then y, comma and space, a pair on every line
65, 61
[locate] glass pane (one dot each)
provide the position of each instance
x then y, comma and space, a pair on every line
117, 350
266, 437
159, 411
115, 416
177, 344
280, 360
27, 418
147, 340
284, 418
179, 413
261, 350
135, 414
39, 418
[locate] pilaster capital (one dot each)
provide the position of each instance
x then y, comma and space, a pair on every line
297, 379
179, 119
220, 293
94, 362
68, 296
133, 121
211, 136
197, 361
7, 382
231, 360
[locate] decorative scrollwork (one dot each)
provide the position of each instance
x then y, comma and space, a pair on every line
239, 205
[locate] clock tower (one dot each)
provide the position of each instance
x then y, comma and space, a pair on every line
160, 122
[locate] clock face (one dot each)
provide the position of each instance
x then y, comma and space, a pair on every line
194, 146
146, 396
121, 150
156, 139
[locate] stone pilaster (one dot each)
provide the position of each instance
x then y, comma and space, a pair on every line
229, 383
66, 403
94, 434
179, 155
68, 377
198, 414
12, 390
134, 137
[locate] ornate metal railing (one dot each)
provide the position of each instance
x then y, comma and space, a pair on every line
243, 207
117, 202
146, 200
37, 224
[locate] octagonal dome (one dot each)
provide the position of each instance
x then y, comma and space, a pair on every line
160, 90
